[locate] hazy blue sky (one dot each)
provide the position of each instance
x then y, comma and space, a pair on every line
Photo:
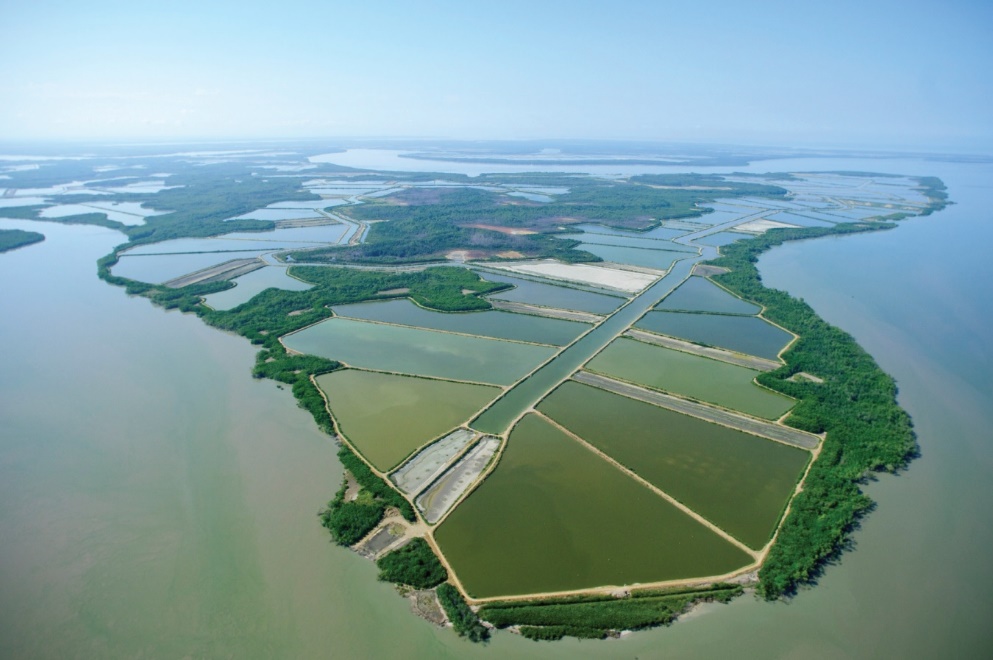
823, 73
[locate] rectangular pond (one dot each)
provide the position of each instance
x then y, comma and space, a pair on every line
537, 525
494, 324
662, 233
416, 351
657, 259
629, 240
689, 375
722, 238
745, 334
737, 481
388, 417
550, 295
698, 294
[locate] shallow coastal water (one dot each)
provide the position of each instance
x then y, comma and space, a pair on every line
158, 502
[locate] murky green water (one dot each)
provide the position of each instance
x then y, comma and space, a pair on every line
549, 295
536, 524
744, 334
387, 417
689, 375
494, 324
416, 351
698, 294
658, 259
737, 481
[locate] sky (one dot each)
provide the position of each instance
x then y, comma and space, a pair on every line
874, 73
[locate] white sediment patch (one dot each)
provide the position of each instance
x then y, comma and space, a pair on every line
619, 279
431, 461
762, 225
440, 497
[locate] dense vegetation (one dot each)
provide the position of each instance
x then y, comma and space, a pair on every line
856, 405
415, 564
600, 616
425, 224
465, 622
349, 522
11, 239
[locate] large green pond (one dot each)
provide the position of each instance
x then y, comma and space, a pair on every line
494, 324
658, 233
697, 377
416, 351
744, 334
630, 239
633, 256
388, 417
549, 295
698, 294
554, 516
737, 481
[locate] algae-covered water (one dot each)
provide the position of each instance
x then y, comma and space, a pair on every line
417, 351
693, 376
387, 417
739, 482
537, 524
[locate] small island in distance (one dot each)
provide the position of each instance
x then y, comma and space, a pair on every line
566, 403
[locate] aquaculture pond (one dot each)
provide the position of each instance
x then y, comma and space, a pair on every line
416, 351
658, 233
698, 294
721, 238
388, 417
657, 259
739, 482
689, 375
550, 295
494, 324
744, 334
537, 524
629, 239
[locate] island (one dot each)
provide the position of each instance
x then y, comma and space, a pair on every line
566, 405
11, 239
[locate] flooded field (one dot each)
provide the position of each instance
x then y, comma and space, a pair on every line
737, 481
416, 351
658, 259
536, 525
746, 334
661, 233
250, 285
494, 324
550, 295
698, 294
721, 238
631, 239
388, 417
688, 375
